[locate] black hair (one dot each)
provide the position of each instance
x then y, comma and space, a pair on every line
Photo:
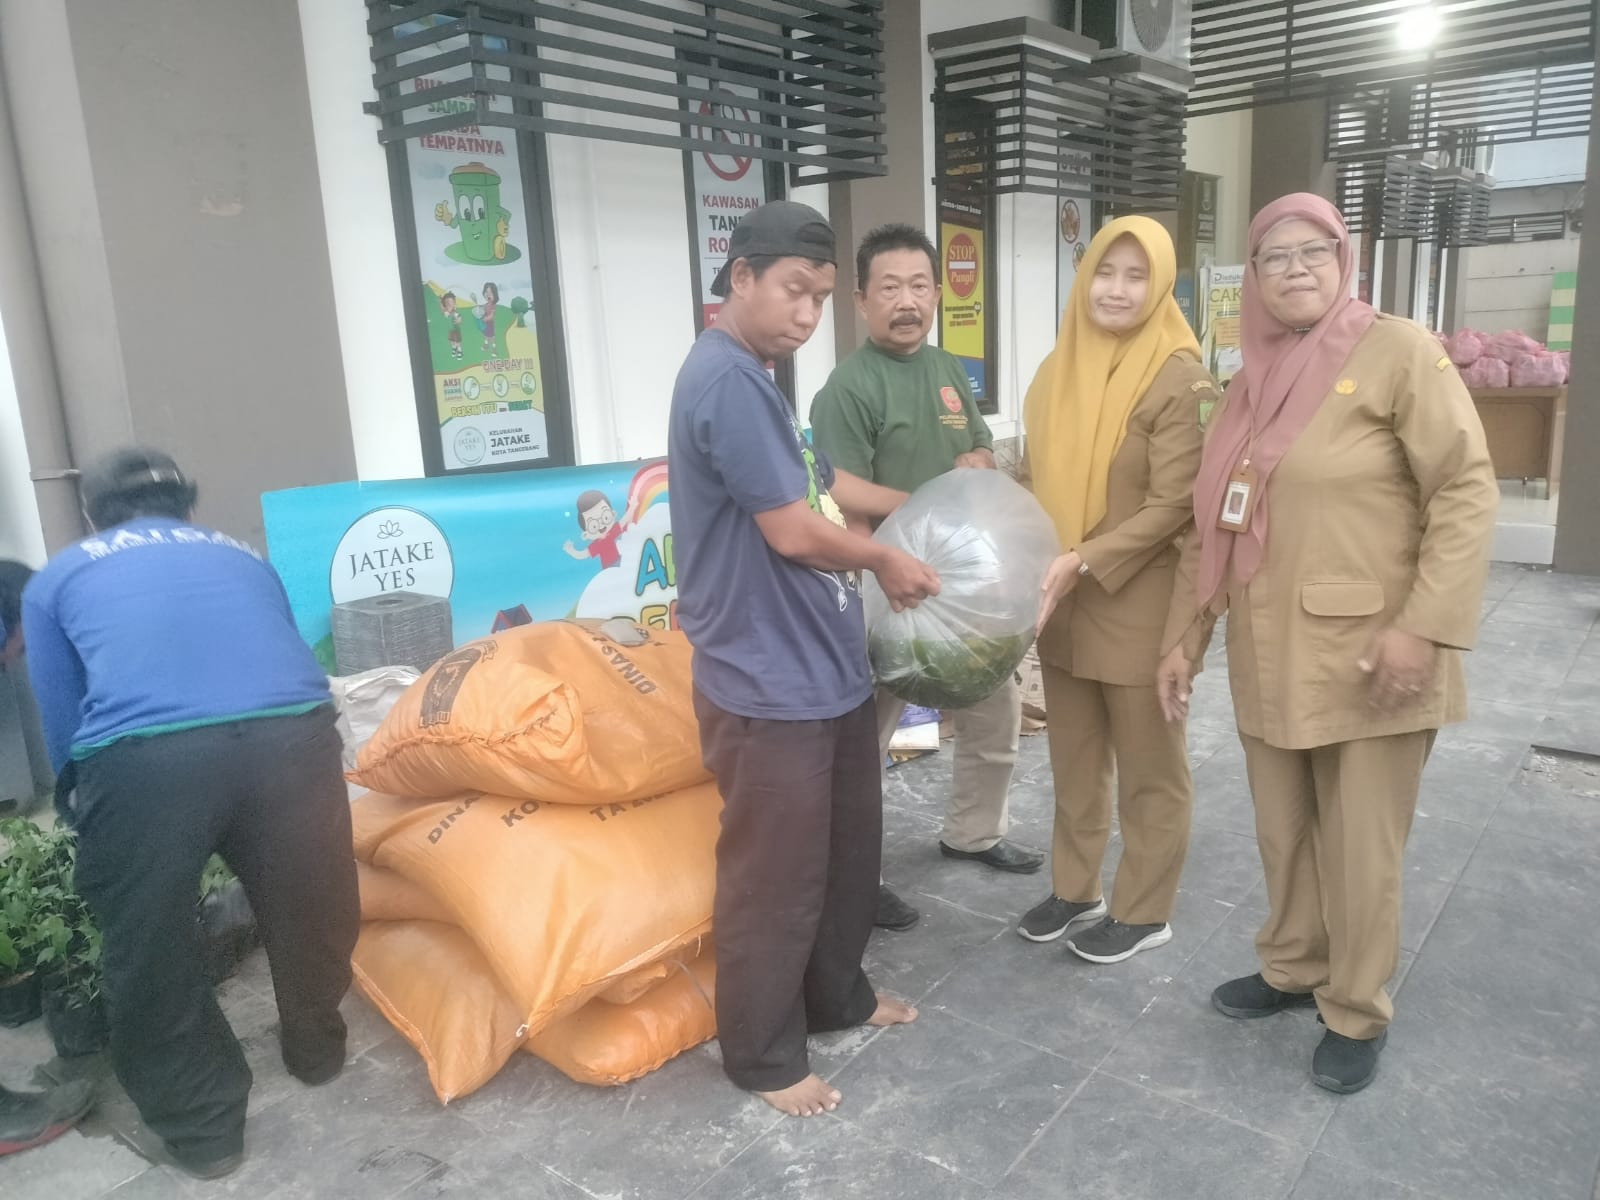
161, 499
892, 237
588, 500
14, 577
760, 264
491, 286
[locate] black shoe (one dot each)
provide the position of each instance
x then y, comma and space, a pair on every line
1002, 856
29, 1119
1253, 996
320, 1075
205, 1168
1346, 1065
894, 913
1053, 916
1112, 942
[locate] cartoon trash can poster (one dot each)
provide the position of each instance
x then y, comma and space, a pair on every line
505, 549
476, 283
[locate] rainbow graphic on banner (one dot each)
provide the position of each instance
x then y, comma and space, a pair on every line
648, 487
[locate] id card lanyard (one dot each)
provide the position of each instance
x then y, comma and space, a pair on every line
1239, 497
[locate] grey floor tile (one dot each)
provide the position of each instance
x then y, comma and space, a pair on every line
1097, 1148
73, 1167
1551, 612
660, 1136
155, 1183
1046, 996
1467, 774
1576, 731
962, 1095
1537, 876
1555, 800
812, 1158
1329, 1179
1421, 902
1255, 1073
1221, 864
910, 963
1464, 1131
1439, 848
1490, 980
1510, 721
969, 885
492, 1167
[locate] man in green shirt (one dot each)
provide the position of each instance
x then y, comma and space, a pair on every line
899, 412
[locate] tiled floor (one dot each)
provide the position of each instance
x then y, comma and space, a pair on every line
1034, 1075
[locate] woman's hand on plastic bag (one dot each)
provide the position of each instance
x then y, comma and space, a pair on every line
1059, 580
906, 581
1175, 684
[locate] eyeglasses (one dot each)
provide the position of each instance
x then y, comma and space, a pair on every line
1311, 254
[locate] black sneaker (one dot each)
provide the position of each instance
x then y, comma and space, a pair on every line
1346, 1065
204, 1168
1112, 942
1253, 996
894, 913
1053, 916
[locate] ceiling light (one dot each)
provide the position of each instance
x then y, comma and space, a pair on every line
1418, 28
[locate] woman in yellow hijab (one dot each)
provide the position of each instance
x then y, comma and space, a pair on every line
1114, 421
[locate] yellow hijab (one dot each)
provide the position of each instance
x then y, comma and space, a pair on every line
1077, 408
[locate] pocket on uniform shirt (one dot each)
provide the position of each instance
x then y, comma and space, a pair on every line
1342, 598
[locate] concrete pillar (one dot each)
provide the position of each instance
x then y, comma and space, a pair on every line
1578, 519
1397, 289
171, 187
901, 195
1288, 152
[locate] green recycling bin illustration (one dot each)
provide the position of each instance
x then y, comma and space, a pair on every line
474, 212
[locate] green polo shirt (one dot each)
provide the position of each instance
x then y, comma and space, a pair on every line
898, 420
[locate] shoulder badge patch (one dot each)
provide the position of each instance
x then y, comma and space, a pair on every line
1345, 387
1443, 362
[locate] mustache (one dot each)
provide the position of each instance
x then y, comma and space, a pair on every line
907, 319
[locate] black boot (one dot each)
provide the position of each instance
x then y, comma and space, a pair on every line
29, 1119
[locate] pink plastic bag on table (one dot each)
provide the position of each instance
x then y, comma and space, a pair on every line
1537, 371
1465, 348
1487, 373
1566, 365
1511, 344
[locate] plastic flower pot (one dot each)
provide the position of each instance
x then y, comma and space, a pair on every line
19, 999
77, 1026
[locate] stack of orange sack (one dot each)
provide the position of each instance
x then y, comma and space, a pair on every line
537, 857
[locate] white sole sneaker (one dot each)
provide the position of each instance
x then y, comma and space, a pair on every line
1149, 942
1084, 919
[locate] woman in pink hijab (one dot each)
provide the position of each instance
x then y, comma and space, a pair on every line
1344, 512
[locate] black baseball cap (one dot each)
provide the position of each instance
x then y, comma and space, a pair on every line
128, 470
778, 229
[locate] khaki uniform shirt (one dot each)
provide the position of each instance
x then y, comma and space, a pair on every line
1109, 627
1382, 514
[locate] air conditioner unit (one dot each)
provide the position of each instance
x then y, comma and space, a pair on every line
1157, 29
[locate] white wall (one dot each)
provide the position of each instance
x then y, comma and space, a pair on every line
622, 237
1220, 145
1508, 287
20, 534
362, 250
1525, 164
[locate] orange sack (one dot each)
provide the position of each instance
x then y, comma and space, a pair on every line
386, 896
607, 1044
434, 986
565, 901
570, 712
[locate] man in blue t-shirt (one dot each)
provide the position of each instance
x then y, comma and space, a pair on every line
783, 691
185, 717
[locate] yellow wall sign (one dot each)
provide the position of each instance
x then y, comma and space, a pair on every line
962, 312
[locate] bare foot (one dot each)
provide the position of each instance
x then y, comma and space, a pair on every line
808, 1098
892, 1012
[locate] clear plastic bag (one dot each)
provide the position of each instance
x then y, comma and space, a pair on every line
991, 544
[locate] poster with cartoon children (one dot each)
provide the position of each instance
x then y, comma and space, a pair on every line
473, 253
600, 528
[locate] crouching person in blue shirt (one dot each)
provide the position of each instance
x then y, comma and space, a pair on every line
192, 719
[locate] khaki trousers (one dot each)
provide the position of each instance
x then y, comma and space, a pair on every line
1097, 731
1332, 824
976, 816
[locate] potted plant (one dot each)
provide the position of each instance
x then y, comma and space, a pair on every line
22, 853
227, 927
67, 955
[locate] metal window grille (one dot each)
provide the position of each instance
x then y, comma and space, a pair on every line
613, 70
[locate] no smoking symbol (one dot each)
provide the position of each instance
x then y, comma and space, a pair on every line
725, 160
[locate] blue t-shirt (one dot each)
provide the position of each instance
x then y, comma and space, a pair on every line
158, 625
773, 639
